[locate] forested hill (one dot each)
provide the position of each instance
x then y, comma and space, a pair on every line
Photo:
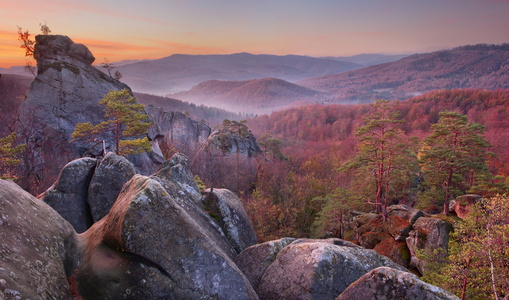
321, 125
479, 66
257, 95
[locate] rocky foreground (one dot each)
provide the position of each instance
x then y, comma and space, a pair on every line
158, 237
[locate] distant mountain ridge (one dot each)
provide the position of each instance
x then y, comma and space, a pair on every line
257, 95
476, 66
180, 72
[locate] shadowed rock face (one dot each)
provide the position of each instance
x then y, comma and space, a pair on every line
87, 188
389, 284
148, 223
38, 248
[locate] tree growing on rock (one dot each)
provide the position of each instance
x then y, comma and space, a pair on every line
8, 153
125, 119
454, 152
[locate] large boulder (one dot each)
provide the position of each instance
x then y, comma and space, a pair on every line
428, 234
38, 248
148, 223
232, 218
253, 261
68, 196
318, 269
107, 182
462, 205
178, 170
389, 284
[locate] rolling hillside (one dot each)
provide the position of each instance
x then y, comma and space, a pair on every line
254, 96
479, 66
181, 72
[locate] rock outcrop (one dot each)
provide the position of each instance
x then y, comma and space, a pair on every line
162, 239
87, 188
38, 248
317, 269
148, 223
428, 234
390, 284
232, 218
405, 231
67, 91
462, 205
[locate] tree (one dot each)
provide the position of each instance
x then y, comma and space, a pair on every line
126, 118
381, 152
477, 265
109, 67
8, 153
454, 151
28, 44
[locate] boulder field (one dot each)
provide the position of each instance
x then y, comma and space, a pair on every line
153, 237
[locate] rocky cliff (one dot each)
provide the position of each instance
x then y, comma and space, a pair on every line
154, 239
67, 91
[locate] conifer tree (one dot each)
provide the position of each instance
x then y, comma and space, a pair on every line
126, 119
381, 152
8, 154
454, 149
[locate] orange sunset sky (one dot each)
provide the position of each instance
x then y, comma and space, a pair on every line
124, 29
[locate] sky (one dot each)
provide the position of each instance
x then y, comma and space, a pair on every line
149, 29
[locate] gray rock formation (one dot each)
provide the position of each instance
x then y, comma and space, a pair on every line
67, 91
318, 269
68, 196
428, 234
231, 143
179, 129
106, 183
233, 218
253, 261
462, 205
38, 248
87, 188
389, 284
147, 223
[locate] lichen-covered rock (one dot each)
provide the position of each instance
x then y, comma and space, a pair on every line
254, 260
389, 284
462, 205
233, 219
68, 196
428, 234
109, 177
38, 248
147, 222
313, 269
178, 170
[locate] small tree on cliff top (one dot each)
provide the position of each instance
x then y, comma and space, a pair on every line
125, 119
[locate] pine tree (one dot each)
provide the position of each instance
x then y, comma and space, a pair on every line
382, 152
8, 154
454, 150
126, 119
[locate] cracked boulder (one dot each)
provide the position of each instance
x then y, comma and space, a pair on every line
109, 178
68, 196
389, 284
38, 248
147, 229
232, 217
318, 269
